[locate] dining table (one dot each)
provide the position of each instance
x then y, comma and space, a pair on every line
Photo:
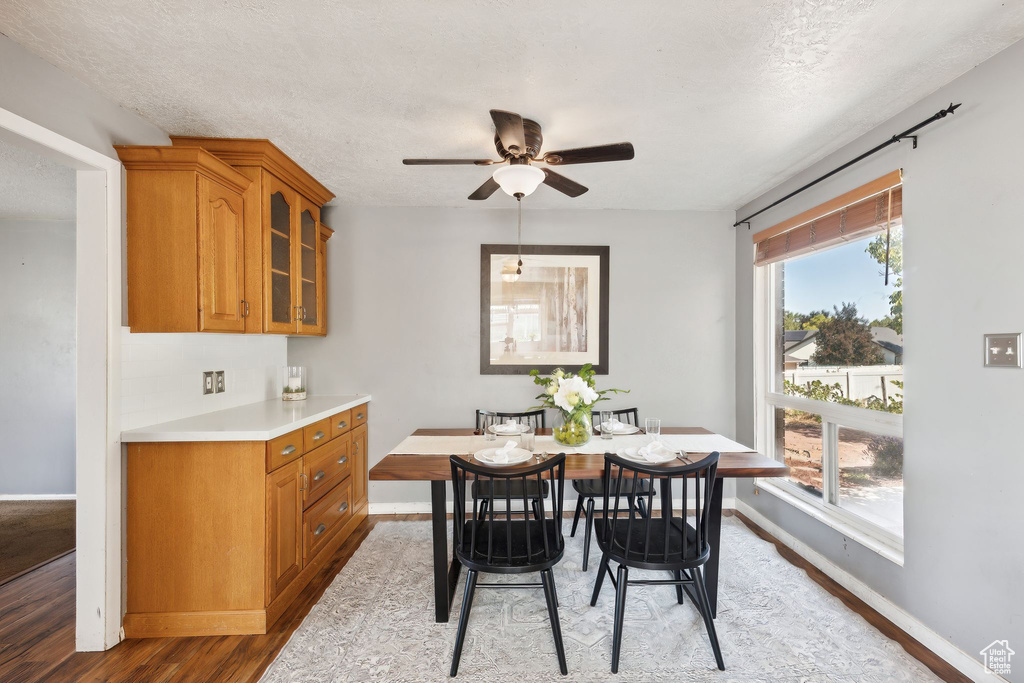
425, 456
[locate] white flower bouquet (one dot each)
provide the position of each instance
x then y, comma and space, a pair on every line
573, 395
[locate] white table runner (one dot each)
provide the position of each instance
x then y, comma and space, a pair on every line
448, 445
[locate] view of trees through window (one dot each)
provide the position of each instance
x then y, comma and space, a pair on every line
841, 313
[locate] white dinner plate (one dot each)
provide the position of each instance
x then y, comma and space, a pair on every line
504, 429
626, 429
634, 455
516, 457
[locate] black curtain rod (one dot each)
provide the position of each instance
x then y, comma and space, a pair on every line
907, 134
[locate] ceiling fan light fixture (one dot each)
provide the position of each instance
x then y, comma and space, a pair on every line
521, 179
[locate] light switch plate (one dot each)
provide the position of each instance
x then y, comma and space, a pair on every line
208, 382
1002, 350
218, 381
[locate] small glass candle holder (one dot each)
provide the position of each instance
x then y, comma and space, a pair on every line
294, 384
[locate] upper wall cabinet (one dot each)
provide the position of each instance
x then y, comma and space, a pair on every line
186, 241
282, 212
240, 249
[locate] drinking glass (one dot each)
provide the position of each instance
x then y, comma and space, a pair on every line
526, 437
652, 426
489, 435
606, 417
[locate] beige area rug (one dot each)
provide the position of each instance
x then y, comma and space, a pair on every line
33, 532
375, 623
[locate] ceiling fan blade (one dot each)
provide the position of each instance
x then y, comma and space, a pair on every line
485, 190
563, 184
448, 162
619, 151
509, 127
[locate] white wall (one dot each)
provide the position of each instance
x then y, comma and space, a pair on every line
963, 206
37, 357
161, 374
404, 317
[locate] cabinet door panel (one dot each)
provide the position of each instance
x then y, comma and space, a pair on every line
284, 527
280, 233
310, 264
359, 464
221, 258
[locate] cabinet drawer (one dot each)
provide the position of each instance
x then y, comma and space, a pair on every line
341, 423
324, 467
284, 449
317, 433
359, 414
323, 520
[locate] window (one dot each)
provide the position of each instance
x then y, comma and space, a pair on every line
829, 345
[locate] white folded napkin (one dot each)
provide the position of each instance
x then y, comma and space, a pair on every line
502, 454
656, 451
613, 425
508, 427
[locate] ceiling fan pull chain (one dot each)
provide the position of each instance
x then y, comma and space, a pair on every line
519, 236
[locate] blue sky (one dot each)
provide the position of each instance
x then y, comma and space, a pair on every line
828, 278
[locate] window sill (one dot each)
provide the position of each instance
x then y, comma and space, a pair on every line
884, 547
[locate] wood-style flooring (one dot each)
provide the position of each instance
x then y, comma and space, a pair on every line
37, 629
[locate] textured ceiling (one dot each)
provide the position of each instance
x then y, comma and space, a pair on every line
33, 187
722, 100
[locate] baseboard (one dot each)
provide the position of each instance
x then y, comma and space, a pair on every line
954, 656
423, 507
37, 496
187, 624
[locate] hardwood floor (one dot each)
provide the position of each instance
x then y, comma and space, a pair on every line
37, 624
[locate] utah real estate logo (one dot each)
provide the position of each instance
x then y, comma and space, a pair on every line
997, 657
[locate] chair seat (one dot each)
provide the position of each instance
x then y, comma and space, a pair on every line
482, 490
655, 540
594, 488
475, 556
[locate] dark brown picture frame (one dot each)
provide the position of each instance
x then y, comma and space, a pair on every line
486, 251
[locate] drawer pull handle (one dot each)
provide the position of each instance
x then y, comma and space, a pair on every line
288, 450
319, 530
302, 485
342, 424
344, 506
319, 435
342, 460
318, 476
359, 416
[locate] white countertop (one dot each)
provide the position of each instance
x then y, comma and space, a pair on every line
253, 422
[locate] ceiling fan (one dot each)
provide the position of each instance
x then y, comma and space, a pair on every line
518, 142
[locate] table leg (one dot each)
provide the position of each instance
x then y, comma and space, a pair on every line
445, 576
714, 540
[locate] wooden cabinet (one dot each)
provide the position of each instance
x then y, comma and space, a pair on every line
283, 219
222, 536
224, 235
186, 241
284, 527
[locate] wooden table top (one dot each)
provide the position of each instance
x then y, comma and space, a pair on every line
432, 467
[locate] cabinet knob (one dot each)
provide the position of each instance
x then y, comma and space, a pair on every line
318, 476
288, 450
245, 308
319, 435
302, 486
319, 530
344, 506
342, 460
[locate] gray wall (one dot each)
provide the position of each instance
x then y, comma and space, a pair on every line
963, 202
404, 309
37, 357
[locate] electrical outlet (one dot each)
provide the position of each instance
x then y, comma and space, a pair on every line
218, 381
208, 382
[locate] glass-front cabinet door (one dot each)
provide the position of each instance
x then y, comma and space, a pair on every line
280, 214
310, 272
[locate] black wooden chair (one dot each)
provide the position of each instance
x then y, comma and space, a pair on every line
537, 420
667, 543
589, 489
498, 544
